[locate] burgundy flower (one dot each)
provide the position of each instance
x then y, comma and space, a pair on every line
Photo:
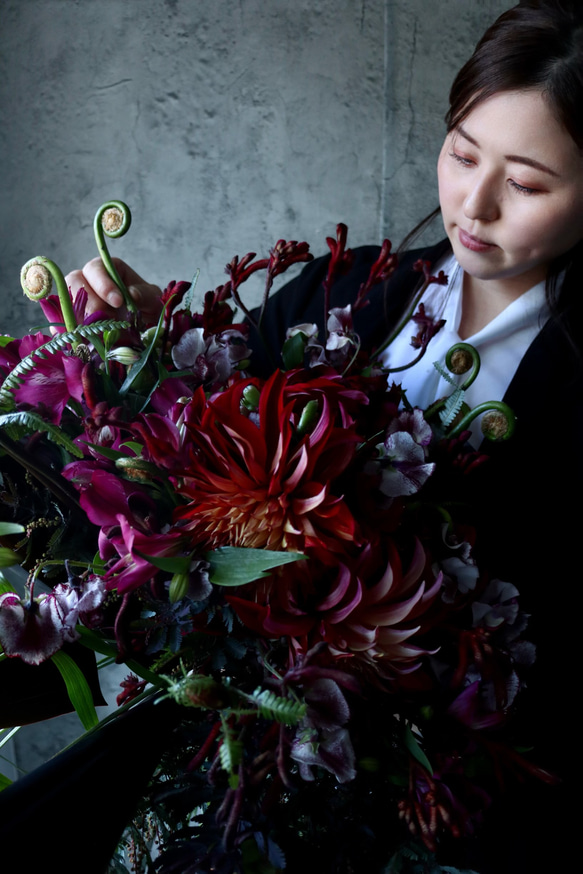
265, 483
428, 328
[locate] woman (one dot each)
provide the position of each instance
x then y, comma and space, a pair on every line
511, 195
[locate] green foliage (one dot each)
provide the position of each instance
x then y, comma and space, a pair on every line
272, 706
18, 425
292, 351
413, 746
77, 689
237, 565
230, 752
58, 343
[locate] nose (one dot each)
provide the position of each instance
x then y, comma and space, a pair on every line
481, 201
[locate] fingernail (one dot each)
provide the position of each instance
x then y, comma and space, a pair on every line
115, 299
135, 293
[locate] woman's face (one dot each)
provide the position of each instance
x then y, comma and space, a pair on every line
511, 189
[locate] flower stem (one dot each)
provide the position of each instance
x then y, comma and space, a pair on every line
36, 278
113, 219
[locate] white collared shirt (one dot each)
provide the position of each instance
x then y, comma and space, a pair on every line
501, 344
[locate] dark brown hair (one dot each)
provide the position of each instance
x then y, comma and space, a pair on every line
536, 44
533, 45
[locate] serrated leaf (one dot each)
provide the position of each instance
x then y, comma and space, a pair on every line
238, 565
27, 422
284, 710
77, 689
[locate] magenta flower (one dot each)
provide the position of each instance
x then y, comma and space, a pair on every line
133, 569
51, 384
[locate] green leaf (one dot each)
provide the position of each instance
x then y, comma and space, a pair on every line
5, 586
77, 689
134, 446
4, 782
5, 340
137, 368
416, 751
8, 558
292, 351
174, 564
238, 565
11, 528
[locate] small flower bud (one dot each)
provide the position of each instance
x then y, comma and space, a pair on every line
250, 399
308, 417
136, 469
178, 587
124, 354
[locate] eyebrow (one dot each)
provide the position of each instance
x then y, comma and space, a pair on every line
517, 159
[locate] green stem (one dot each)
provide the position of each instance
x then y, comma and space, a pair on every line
118, 217
62, 288
476, 363
503, 408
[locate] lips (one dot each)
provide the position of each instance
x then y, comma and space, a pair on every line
475, 244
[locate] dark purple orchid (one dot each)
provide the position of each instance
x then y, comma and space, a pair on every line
34, 629
212, 359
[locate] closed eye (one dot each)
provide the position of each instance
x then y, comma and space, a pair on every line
465, 162
523, 189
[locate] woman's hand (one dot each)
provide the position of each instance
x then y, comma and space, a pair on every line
103, 294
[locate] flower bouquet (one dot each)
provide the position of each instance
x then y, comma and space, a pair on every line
280, 557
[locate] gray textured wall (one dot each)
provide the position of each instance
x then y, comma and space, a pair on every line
224, 124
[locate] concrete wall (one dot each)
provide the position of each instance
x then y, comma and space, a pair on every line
224, 124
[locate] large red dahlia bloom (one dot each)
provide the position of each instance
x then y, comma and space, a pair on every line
265, 477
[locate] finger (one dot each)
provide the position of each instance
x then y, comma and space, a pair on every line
101, 283
76, 280
145, 295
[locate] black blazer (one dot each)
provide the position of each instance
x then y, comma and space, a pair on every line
528, 496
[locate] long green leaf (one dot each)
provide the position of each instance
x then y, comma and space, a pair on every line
77, 689
237, 565
416, 751
11, 528
4, 782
